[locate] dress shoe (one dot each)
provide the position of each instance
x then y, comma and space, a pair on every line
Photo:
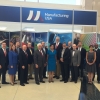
71, 81
54, 76
15, 83
57, 77
37, 83
45, 77
42, 81
61, 80
75, 81
31, 78
26, 83
22, 84
5, 83
65, 81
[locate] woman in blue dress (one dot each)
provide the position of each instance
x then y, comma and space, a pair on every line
13, 59
51, 62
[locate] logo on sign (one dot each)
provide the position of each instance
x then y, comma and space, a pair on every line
36, 18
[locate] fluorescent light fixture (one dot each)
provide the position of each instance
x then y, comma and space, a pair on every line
29, 29
3, 28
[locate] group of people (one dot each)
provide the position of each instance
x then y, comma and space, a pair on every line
59, 59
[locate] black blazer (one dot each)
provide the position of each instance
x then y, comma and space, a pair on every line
66, 55
23, 59
39, 59
30, 56
46, 51
83, 55
4, 59
58, 49
76, 41
97, 56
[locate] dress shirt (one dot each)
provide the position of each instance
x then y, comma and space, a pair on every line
73, 52
80, 48
62, 53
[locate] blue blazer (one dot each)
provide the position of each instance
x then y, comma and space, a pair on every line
13, 58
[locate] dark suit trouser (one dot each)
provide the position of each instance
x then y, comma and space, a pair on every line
19, 71
23, 74
80, 71
98, 72
39, 74
64, 71
74, 73
44, 71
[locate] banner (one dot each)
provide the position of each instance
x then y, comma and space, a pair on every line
9, 13
4, 37
40, 37
64, 37
51, 16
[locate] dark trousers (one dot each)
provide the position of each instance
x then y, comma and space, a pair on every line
74, 73
64, 71
39, 74
98, 72
44, 71
80, 71
23, 74
19, 71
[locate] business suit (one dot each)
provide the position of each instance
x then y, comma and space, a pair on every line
18, 51
23, 59
30, 52
76, 41
58, 48
97, 64
75, 62
44, 70
39, 59
83, 56
4, 63
65, 54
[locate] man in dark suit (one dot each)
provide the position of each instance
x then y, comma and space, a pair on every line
97, 50
58, 47
75, 63
40, 62
3, 62
23, 59
45, 51
83, 56
30, 52
64, 61
18, 49
76, 39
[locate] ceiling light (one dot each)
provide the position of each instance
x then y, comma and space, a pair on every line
3, 28
29, 29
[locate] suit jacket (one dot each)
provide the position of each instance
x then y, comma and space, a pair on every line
46, 51
58, 49
4, 61
97, 56
76, 59
66, 55
23, 59
39, 59
83, 55
30, 56
76, 41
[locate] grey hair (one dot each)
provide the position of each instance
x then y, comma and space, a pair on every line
38, 44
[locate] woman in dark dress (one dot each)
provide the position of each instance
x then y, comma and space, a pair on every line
51, 62
13, 59
90, 59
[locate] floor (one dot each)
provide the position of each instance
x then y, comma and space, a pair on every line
44, 91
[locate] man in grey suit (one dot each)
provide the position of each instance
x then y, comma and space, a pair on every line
40, 62
75, 63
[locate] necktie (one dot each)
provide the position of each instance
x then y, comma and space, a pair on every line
31, 51
41, 52
26, 54
5, 52
56, 45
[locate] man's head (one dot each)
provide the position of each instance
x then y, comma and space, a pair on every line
57, 39
39, 46
74, 46
17, 44
43, 44
29, 45
96, 45
79, 44
3, 45
64, 45
69, 43
24, 47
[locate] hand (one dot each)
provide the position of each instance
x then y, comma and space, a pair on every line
11, 66
23, 67
77, 65
37, 66
45, 65
61, 59
99, 65
0, 66
29, 65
